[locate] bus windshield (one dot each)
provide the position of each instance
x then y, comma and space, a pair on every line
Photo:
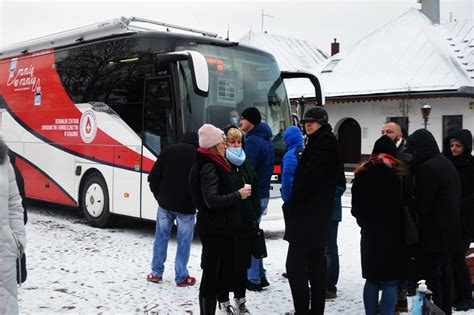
238, 78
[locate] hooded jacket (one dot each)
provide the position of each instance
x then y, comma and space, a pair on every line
12, 234
465, 166
295, 146
437, 195
169, 177
377, 206
260, 152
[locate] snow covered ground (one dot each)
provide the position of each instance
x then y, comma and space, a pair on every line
76, 269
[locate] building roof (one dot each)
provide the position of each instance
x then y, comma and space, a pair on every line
409, 54
291, 54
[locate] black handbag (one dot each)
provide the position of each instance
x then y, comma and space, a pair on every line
259, 249
411, 228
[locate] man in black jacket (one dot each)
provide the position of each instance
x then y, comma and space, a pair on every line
169, 183
308, 212
437, 196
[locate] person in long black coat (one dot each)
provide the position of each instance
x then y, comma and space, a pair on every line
377, 200
307, 213
242, 172
457, 148
437, 196
218, 218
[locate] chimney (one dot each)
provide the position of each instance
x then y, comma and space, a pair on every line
334, 47
431, 9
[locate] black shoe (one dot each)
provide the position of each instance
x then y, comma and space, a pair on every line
464, 305
285, 275
264, 282
253, 286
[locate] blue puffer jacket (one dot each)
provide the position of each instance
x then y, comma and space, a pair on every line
259, 151
294, 146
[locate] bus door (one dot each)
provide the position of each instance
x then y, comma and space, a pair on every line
159, 131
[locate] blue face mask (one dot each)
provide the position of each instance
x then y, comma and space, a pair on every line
236, 156
235, 151
234, 121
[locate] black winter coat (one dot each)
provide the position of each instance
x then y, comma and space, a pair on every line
169, 177
308, 212
465, 166
377, 206
215, 198
249, 212
437, 195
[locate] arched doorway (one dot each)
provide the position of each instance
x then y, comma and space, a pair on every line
349, 136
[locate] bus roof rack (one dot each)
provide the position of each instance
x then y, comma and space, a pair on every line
94, 31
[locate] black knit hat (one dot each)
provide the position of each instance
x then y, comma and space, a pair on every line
252, 115
316, 113
385, 145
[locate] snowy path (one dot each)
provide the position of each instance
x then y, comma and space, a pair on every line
77, 269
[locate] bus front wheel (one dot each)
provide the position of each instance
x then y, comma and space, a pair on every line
95, 201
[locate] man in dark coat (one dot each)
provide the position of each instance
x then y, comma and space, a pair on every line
393, 130
170, 185
437, 196
308, 212
457, 148
260, 152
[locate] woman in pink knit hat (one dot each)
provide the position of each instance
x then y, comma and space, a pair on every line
218, 219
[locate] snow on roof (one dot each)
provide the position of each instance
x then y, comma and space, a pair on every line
291, 54
408, 54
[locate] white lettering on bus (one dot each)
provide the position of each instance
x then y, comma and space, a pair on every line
24, 77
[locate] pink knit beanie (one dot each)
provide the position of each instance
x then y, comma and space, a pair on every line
209, 136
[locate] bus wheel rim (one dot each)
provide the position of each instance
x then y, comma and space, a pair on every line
94, 200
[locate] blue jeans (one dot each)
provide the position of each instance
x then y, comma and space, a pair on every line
388, 300
256, 271
332, 257
184, 237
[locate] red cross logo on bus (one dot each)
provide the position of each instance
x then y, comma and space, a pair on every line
88, 125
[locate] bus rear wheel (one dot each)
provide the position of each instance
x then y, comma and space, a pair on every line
95, 201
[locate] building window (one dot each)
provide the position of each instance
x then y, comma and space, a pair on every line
451, 123
403, 122
331, 65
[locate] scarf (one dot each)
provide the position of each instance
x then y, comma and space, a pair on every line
219, 160
378, 159
236, 156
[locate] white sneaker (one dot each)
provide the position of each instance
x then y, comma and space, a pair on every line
225, 308
241, 307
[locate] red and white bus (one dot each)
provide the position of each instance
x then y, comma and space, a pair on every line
87, 111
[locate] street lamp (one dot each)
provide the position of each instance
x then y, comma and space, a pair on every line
425, 112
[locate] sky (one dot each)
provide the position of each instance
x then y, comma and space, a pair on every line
316, 21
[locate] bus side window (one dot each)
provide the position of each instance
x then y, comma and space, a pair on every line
158, 131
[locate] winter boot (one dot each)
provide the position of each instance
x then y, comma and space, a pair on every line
226, 309
240, 306
207, 306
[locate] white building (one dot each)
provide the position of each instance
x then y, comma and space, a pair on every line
391, 73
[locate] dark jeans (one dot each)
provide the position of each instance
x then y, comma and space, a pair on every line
332, 257
388, 300
461, 276
435, 269
302, 265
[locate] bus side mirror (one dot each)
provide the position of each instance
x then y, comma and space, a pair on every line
197, 64
295, 118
